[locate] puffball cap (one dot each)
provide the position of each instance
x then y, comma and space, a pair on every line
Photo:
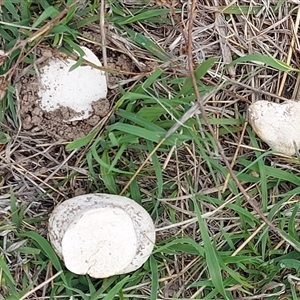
277, 124
101, 235
75, 89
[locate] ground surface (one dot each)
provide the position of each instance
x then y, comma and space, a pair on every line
211, 242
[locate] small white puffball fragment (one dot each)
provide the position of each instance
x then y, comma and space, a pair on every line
76, 89
101, 234
102, 242
277, 124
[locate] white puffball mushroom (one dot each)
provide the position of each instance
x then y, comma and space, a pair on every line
277, 124
115, 228
76, 89
101, 235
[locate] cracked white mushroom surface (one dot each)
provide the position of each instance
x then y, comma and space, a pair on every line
277, 124
75, 89
101, 235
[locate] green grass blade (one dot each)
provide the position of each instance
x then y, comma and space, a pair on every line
200, 71
81, 142
212, 259
49, 13
115, 290
137, 131
145, 15
181, 244
270, 171
154, 278
149, 81
14, 210
8, 277
132, 97
242, 9
291, 240
105, 164
118, 156
11, 8
292, 221
45, 246
268, 60
157, 169
106, 175
135, 192
85, 22
138, 120
262, 173
44, 3
146, 43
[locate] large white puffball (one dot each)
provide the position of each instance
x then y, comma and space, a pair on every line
101, 235
76, 89
277, 124
105, 250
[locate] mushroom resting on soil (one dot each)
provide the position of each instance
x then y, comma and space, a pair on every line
277, 124
101, 235
76, 89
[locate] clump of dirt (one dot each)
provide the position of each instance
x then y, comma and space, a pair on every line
119, 62
116, 60
55, 123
